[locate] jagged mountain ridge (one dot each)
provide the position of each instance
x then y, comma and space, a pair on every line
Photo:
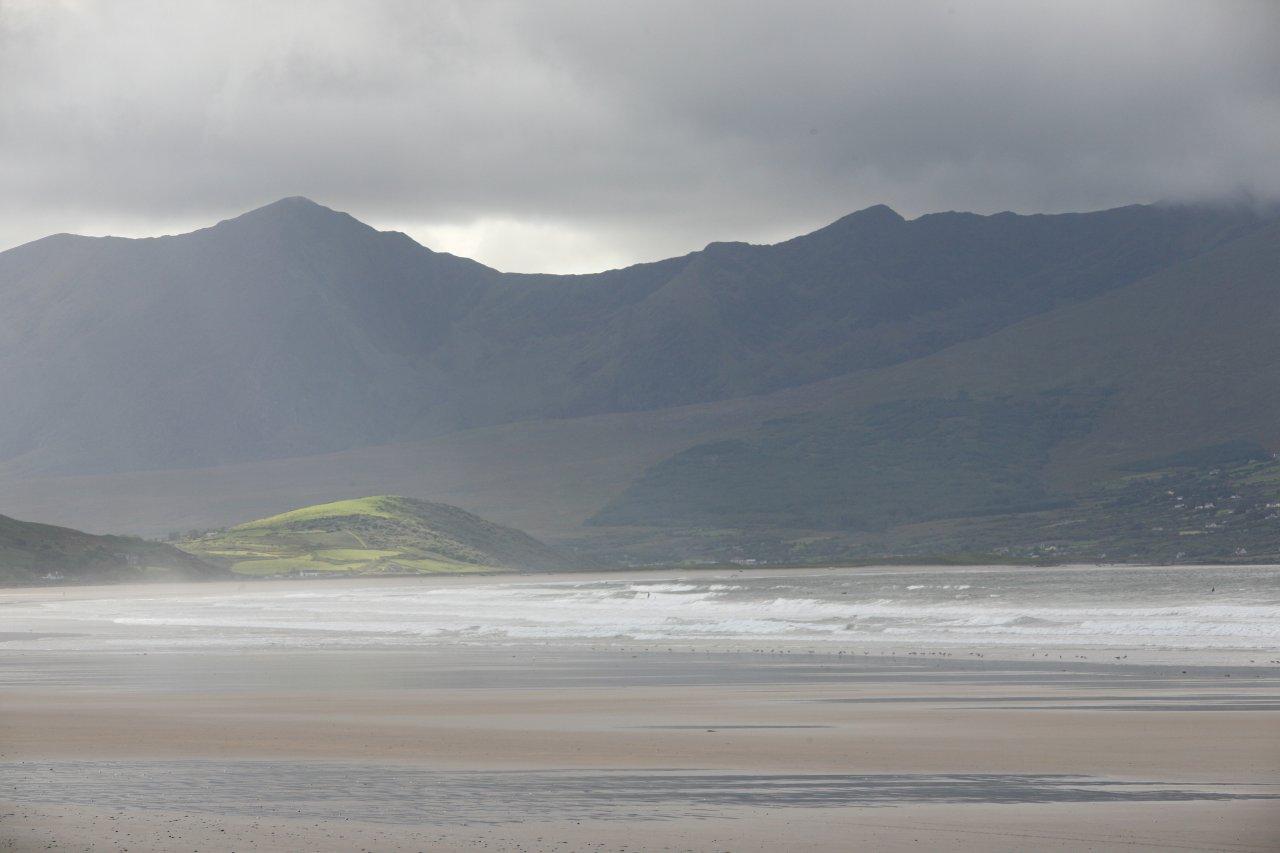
294, 329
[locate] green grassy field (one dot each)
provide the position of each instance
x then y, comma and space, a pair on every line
371, 507
373, 535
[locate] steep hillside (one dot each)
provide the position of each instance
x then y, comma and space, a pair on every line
42, 553
897, 462
288, 330
868, 291
1164, 379
382, 534
296, 330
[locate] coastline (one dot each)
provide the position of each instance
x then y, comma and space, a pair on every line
939, 564
622, 572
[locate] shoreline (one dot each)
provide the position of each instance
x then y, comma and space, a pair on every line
645, 572
30, 623
875, 566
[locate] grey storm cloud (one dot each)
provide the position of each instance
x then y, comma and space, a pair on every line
559, 135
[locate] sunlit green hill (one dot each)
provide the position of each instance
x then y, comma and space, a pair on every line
372, 535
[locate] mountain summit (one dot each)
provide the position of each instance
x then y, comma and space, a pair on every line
297, 214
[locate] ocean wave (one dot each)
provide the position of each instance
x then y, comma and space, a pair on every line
808, 608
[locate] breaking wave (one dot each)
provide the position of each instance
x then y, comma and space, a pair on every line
992, 608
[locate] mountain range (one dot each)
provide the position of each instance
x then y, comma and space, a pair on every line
882, 386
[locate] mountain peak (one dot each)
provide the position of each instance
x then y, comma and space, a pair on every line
877, 213
296, 209
874, 219
291, 203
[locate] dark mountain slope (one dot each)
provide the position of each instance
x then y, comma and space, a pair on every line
35, 553
288, 330
295, 330
868, 291
1178, 363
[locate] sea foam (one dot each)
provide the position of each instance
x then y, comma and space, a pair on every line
1126, 608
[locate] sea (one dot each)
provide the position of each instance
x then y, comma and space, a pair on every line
1166, 613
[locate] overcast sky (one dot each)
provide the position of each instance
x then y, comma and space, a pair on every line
547, 136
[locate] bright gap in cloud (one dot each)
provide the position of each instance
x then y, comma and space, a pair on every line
513, 245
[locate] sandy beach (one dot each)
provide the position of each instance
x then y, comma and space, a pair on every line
617, 744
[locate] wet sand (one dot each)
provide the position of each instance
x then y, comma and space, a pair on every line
1238, 826
582, 747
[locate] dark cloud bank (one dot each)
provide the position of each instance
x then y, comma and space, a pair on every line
566, 136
